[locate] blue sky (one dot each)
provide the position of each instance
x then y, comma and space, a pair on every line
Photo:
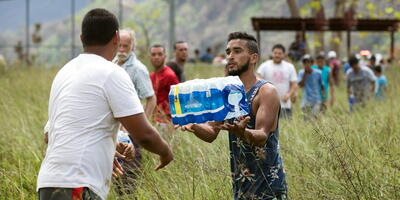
12, 12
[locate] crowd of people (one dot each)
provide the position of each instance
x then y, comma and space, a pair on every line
318, 78
363, 81
91, 96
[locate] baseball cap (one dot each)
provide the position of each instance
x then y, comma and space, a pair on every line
306, 57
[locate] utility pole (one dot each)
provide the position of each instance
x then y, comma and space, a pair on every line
27, 38
72, 29
121, 12
171, 27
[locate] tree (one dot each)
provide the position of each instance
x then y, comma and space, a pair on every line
318, 11
145, 20
294, 9
337, 36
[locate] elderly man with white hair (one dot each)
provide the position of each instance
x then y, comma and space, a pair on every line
140, 77
138, 72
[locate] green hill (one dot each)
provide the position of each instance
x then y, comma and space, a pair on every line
204, 23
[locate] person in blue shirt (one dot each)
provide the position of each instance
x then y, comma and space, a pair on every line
327, 81
311, 81
346, 67
207, 57
381, 83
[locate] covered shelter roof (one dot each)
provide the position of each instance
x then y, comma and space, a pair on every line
347, 24
332, 24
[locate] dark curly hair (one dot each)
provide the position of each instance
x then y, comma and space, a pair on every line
279, 46
251, 40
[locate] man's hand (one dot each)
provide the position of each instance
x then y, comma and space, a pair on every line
286, 97
187, 127
207, 132
125, 151
165, 160
237, 128
294, 97
117, 169
191, 127
147, 137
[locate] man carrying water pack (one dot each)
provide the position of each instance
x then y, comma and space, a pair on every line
256, 166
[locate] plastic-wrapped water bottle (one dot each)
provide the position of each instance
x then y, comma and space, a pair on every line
351, 102
123, 137
202, 100
351, 99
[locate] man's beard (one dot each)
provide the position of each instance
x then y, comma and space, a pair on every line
240, 70
277, 60
122, 56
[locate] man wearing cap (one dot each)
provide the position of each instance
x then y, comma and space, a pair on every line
311, 81
334, 65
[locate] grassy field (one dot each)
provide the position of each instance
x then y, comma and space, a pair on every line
338, 156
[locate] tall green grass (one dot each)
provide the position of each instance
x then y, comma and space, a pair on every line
338, 156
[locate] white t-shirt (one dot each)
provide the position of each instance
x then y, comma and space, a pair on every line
280, 75
87, 94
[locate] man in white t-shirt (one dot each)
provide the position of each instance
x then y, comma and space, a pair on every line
89, 98
283, 75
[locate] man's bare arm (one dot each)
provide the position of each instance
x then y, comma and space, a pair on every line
150, 105
207, 132
348, 91
332, 88
293, 86
373, 87
147, 137
267, 115
323, 92
46, 137
291, 92
303, 80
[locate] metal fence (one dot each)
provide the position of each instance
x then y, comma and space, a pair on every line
30, 51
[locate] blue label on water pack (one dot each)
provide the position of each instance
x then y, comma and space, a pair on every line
209, 105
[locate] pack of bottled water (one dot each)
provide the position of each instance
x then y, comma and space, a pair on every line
203, 100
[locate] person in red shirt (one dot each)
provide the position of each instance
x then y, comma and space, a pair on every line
162, 78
